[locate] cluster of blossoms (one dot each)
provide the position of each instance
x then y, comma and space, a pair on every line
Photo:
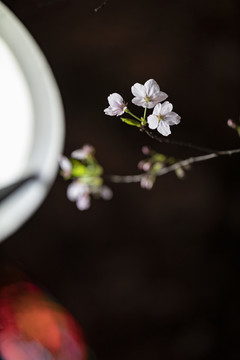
83, 168
153, 164
147, 96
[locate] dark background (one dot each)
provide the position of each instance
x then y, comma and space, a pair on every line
150, 274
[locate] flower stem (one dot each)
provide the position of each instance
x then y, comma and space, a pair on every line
145, 113
130, 113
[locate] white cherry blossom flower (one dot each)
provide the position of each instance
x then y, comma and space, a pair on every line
117, 105
147, 95
162, 118
79, 193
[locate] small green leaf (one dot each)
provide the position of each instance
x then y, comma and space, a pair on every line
78, 169
159, 157
131, 122
94, 170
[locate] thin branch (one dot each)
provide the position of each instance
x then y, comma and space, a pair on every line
100, 6
173, 167
162, 139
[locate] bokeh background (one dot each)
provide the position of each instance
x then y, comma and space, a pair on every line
150, 274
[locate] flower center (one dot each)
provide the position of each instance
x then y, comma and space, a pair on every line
147, 99
160, 117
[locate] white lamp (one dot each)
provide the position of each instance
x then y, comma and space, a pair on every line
31, 123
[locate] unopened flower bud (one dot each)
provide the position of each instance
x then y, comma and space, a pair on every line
145, 150
231, 124
140, 165
180, 173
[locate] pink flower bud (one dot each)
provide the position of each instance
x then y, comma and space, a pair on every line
145, 150
231, 124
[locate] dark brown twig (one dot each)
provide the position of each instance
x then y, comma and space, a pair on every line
164, 140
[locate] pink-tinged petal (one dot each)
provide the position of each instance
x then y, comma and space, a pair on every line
152, 88
88, 149
161, 96
83, 202
139, 101
166, 108
115, 100
157, 109
109, 111
66, 166
138, 90
152, 121
121, 111
164, 128
114, 111
76, 189
79, 154
172, 118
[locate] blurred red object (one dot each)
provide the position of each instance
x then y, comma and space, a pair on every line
34, 327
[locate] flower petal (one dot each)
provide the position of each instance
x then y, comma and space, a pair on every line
115, 100
79, 154
138, 90
157, 109
150, 104
161, 96
164, 128
172, 118
114, 111
109, 111
66, 166
139, 101
83, 202
76, 189
152, 121
166, 108
152, 88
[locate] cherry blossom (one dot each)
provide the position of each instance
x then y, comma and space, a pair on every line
79, 192
162, 118
117, 105
147, 95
